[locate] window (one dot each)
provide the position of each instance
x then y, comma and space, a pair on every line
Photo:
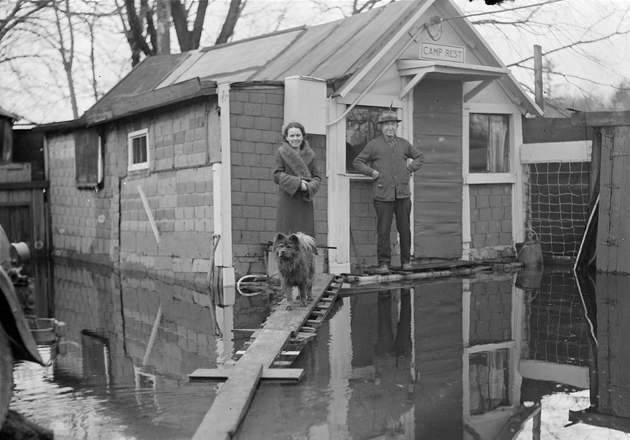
489, 145
361, 128
138, 150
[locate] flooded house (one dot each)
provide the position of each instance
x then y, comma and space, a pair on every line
171, 171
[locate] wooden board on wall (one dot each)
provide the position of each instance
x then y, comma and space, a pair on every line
613, 247
437, 121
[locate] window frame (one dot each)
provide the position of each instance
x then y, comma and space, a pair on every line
130, 137
489, 178
355, 175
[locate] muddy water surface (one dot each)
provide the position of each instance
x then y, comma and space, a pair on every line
494, 356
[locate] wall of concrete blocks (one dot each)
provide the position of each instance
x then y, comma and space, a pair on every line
490, 220
257, 117
83, 221
490, 312
179, 190
363, 226
112, 226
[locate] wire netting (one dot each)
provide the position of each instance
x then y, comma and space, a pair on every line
558, 206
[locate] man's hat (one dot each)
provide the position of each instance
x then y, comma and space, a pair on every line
388, 116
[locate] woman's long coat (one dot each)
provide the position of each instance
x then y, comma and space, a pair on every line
295, 207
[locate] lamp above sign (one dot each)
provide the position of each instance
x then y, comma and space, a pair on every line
442, 52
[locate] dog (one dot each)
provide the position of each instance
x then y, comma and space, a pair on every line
295, 258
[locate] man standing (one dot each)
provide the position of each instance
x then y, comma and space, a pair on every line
384, 159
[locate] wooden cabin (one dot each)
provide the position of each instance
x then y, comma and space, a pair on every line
177, 158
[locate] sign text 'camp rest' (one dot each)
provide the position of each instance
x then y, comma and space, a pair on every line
442, 52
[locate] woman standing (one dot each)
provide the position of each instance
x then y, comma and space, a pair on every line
298, 179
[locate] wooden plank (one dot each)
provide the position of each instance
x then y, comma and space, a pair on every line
553, 130
293, 319
293, 374
230, 405
605, 190
622, 148
591, 417
16, 186
601, 119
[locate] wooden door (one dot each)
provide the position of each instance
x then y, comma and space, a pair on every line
437, 125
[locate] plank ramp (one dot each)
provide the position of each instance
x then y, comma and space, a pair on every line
264, 348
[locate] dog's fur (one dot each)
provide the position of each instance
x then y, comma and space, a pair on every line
295, 258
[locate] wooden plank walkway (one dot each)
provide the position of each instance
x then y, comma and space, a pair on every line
276, 344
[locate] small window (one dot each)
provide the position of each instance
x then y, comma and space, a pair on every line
138, 150
489, 150
361, 128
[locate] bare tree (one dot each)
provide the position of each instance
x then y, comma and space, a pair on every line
65, 46
139, 18
19, 13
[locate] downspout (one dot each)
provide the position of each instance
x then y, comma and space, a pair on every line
222, 199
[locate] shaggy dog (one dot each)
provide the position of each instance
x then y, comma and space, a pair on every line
295, 258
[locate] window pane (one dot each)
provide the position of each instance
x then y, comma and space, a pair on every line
361, 128
139, 150
489, 381
489, 147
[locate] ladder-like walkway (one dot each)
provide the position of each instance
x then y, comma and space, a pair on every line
267, 354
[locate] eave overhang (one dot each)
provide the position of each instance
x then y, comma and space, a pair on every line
419, 69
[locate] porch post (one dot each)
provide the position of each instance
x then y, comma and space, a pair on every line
222, 194
338, 192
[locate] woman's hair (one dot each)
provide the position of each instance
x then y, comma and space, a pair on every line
293, 125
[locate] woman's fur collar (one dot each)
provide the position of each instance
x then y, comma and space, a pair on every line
298, 161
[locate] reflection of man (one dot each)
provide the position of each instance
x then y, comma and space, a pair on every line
384, 159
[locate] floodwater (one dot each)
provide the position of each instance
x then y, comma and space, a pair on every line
502, 355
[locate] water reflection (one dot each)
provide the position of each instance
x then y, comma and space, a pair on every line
122, 372
494, 356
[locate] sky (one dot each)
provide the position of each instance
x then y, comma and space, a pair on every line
588, 69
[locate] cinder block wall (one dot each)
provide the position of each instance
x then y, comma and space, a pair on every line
83, 221
179, 189
490, 220
257, 117
111, 225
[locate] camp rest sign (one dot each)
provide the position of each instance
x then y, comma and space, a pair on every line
442, 52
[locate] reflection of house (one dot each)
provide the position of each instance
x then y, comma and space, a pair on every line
181, 150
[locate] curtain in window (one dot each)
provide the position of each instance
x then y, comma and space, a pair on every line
498, 153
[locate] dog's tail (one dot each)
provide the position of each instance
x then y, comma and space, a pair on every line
306, 242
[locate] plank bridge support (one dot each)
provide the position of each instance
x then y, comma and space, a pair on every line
282, 336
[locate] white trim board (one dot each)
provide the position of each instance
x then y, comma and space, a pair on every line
571, 151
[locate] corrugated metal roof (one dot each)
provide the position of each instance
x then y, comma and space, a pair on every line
328, 51
143, 78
